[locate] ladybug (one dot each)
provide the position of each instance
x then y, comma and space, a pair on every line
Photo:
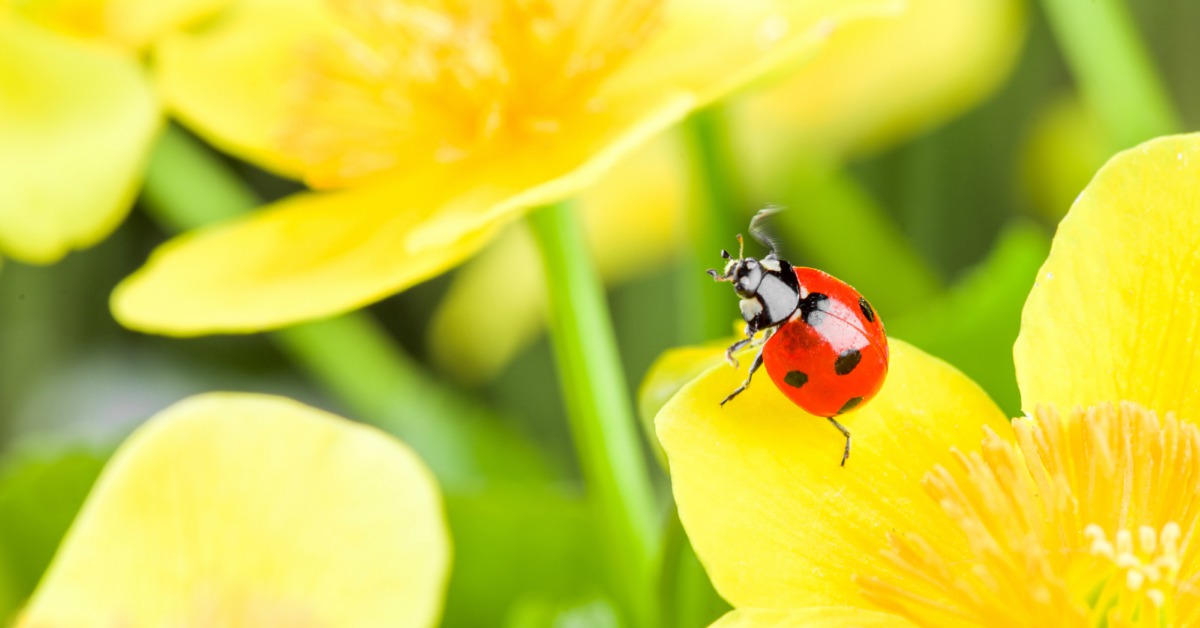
823, 346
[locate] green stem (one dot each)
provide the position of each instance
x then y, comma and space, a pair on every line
351, 356
598, 404
714, 222
1114, 71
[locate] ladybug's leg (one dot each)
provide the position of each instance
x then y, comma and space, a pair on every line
734, 348
758, 360
737, 346
845, 432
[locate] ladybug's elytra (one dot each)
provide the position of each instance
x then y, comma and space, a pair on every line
823, 346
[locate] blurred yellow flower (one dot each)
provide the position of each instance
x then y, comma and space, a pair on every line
245, 510
877, 82
1067, 141
77, 118
437, 123
1079, 516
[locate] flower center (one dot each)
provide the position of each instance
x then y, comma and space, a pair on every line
407, 82
1085, 520
1138, 578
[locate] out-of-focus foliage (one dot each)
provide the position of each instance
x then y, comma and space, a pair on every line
1066, 145
39, 496
974, 325
497, 303
518, 547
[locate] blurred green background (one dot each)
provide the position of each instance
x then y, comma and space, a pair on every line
943, 229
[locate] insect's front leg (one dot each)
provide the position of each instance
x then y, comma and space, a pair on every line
754, 366
737, 346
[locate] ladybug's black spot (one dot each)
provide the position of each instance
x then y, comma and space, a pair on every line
866, 309
795, 379
847, 361
814, 307
850, 404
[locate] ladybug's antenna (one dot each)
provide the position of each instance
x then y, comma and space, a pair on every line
758, 229
725, 255
741, 247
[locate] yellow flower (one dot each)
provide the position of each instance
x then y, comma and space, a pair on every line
872, 85
1082, 512
432, 125
77, 119
246, 510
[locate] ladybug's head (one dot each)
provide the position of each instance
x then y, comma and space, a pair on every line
745, 273
768, 287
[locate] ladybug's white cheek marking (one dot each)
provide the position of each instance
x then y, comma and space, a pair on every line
750, 308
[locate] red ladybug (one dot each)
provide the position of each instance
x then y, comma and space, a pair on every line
824, 345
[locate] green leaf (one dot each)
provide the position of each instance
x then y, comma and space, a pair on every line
520, 543
585, 613
39, 496
974, 325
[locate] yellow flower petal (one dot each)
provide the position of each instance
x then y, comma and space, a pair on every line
709, 48
207, 79
835, 104
1115, 312
631, 218
246, 510
670, 373
128, 23
696, 52
76, 127
816, 616
309, 256
534, 174
774, 519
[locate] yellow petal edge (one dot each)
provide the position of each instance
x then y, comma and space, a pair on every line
306, 257
774, 519
1115, 312
248, 510
76, 126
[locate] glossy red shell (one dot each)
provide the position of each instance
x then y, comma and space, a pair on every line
831, 356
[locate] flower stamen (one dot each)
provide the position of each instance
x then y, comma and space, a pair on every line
1022, 506
451, 78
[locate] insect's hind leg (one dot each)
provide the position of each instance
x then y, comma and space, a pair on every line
845, 432
758, 361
